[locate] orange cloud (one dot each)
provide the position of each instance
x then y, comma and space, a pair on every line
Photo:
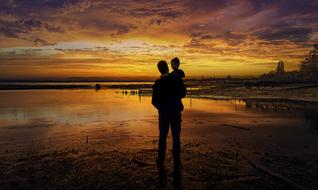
126, 38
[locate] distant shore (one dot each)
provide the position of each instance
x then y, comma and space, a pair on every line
246, 90
39, 87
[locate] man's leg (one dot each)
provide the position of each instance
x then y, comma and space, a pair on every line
163, 133
176, 129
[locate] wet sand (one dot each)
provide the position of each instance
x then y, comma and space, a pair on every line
53, 139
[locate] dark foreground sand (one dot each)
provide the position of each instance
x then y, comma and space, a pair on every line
211, 168
232, 158
87, 168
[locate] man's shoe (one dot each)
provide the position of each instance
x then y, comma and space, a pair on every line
162, 174
177, 166
176, 178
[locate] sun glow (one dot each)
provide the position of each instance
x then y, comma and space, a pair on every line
112, 39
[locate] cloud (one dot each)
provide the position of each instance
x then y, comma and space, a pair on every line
204, 6
53, 28
25, 28
295, 34
202, 31
94, 18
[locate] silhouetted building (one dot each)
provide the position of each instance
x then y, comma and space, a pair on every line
280, 68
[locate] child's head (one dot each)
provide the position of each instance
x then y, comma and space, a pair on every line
175, 62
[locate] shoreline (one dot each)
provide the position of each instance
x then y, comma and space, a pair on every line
212, 93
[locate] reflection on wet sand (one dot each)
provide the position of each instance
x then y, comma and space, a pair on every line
308, 110
25, 114
311, 116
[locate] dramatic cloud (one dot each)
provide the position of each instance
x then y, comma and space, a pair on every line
216, 37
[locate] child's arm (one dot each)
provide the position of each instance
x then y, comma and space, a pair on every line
155, 95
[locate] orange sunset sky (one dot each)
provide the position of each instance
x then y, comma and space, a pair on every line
125, 39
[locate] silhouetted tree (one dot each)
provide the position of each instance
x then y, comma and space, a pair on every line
310, 63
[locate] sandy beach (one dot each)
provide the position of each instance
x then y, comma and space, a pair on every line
104, 143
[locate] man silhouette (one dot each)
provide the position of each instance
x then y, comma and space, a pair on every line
166, 97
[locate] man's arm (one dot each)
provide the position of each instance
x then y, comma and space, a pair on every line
182, 89
155, 95
182, 73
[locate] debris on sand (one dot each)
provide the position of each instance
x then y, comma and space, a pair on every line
236, 127
274, 174
139, 162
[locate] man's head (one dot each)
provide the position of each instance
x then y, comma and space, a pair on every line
175, 62
163, 67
